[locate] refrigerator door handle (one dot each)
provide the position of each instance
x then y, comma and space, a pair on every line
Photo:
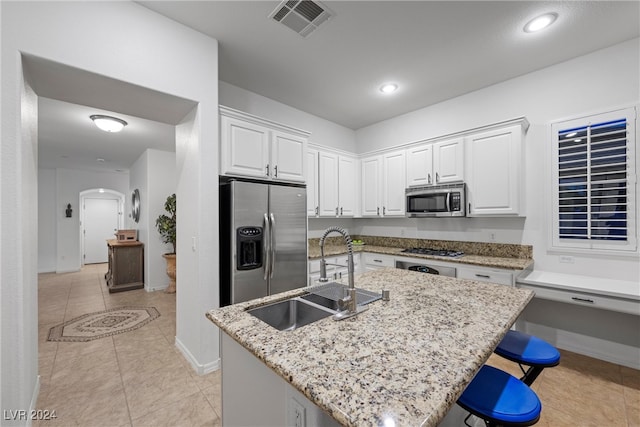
272, 240
266, 252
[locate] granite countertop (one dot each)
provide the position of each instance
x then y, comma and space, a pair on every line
471, 259
407, 359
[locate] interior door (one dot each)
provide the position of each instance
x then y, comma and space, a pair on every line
100, 224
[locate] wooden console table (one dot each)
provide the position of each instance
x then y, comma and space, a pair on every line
126, 265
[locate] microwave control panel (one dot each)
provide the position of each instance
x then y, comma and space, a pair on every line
455, 202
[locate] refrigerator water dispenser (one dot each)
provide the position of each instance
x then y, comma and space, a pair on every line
249, 247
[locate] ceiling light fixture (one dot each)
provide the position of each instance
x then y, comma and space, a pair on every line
388, 88
108, 123
540, 22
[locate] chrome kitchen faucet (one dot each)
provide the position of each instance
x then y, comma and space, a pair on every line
348, 304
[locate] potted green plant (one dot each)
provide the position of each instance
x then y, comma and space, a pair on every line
166, 225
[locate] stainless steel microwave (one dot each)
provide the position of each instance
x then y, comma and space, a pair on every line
436, 201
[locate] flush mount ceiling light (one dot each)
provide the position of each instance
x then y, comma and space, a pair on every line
540, 22
388, 88
108, 123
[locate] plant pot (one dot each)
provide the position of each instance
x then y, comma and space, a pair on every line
171, 272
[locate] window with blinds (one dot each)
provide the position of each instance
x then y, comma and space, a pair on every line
595, 182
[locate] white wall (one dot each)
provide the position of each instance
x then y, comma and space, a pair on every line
154, 175
139, 47
47, 220
591, 83
323, 132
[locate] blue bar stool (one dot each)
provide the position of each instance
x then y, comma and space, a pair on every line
500, 399
528, 350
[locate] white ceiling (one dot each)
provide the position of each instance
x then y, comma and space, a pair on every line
435, 50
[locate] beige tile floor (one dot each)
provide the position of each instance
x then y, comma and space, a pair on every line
139, 378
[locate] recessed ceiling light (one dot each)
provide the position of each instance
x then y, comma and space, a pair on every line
388, 88
540, 22
108, 123
100, 160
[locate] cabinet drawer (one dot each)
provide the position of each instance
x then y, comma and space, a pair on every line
481, 275
585, 299
379, 260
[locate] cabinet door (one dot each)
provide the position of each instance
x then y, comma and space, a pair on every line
394, 184
371, 185
347, 185
312, 182
448, 161
494, 172
328, 183
420, 165
244, 148
287, 157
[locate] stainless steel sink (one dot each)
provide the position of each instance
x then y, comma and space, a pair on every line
323, 301
290, 314
334, 291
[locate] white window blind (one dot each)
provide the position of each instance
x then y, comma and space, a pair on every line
594, 182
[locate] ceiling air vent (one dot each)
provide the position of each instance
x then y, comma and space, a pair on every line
302, 16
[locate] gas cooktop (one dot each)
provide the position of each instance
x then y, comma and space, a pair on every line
436, 252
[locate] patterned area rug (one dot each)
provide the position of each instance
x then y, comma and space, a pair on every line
103, 324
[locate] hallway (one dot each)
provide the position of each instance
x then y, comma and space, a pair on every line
136, 378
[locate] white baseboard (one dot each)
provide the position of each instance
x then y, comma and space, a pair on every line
201, 369
71, 270
155, 288
597, 348
34, 400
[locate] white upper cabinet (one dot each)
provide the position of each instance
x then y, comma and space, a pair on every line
383, 184
328, 184
394, 184
287, 156
245, 148
313, 206
448, 161
371, 186
337, 185
256, 147
495, 172
420, 165
348, 185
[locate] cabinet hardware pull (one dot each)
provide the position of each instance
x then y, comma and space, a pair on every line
437, 177
275, 171
377, 260
317, 209
590, 301
484, 276
429, 178
384, 210
267, 168
378, 210
341, 211
469, 207
336, 211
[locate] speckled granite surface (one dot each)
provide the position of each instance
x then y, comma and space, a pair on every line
480, 260
407, 359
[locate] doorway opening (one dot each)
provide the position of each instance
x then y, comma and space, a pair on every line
101, 215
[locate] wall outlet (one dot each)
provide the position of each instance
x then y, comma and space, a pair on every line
492, 237
567, 259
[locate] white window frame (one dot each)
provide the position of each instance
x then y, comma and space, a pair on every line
598, 246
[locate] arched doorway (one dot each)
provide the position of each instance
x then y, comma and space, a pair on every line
101, 214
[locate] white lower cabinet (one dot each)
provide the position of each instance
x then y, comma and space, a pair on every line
482, 274
377, 261
337, 268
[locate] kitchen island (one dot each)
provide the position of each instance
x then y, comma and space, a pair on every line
401, 362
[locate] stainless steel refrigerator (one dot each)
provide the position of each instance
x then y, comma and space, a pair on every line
263, 239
